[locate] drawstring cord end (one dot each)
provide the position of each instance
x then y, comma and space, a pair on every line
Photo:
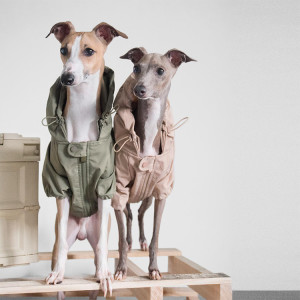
46, 124
179, 123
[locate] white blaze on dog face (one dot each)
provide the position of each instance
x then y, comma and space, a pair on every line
82, 52
82, 55
73, 65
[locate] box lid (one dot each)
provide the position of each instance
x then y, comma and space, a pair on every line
15, 147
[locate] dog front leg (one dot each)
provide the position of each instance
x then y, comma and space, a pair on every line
121, 270
60, 249
101, 254
158, 211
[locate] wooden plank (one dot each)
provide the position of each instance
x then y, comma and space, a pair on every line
168, 292
112, 254
151, 293
116, 293
169, 280
180, 292
215, 291
180, 264
183, 265
134, 270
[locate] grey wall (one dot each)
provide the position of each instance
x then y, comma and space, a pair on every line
235, 206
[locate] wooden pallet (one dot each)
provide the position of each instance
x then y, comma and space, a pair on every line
181, 272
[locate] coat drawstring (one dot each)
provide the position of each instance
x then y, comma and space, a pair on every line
113, 110
127, 138
179, 123
121, 139
48, 117
110, 112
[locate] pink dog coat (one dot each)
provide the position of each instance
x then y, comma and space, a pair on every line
138, 178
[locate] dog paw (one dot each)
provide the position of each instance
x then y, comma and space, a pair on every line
120, 273
55, 278
144, 245
155, 275
105, 279
129, 246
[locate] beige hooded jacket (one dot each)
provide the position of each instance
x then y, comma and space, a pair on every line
138, 178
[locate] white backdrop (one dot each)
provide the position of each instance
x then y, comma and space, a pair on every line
235, 206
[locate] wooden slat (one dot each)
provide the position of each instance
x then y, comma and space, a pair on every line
38, 286
116, 293
134, 270
151, 293
112, 254
179, 292
180, 264
183, 265
168, 292
214, 292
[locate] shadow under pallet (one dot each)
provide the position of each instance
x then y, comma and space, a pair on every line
183, 279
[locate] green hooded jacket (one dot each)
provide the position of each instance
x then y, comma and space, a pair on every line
80, 171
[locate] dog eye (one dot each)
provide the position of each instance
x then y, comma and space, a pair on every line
88, 52
64, 51
136, 69
160, 71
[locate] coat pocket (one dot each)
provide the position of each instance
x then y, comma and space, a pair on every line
106, 186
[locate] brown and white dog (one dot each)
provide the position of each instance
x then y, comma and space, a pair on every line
83, 65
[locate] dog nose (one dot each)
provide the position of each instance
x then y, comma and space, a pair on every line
67, 78
140, 90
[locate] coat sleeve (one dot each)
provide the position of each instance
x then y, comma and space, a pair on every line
164, 187
123, 179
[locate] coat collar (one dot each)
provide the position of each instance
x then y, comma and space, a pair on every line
57, 101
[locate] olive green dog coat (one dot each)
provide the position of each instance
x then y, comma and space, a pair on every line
83, 171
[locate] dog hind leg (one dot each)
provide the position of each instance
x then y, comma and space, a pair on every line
154, 272
144, 206
97, 234
128, 214
121, 270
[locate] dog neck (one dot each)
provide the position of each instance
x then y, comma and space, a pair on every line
148, 120
82, 109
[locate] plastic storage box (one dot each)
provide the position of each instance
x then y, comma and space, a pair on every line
19, 206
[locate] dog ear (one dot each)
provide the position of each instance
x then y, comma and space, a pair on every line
107, 32
177, 57
61, 30
134, 54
